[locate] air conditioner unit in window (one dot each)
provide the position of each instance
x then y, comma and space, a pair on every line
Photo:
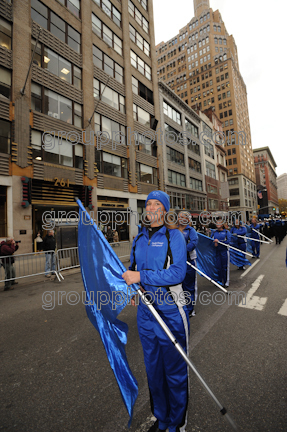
50, 113
56, 115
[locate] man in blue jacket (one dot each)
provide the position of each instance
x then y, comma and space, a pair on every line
238, 230
222, 253
189, 285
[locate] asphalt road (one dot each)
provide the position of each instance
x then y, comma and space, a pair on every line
55, 375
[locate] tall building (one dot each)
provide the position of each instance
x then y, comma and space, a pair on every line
282, 186
265, 170
200, 64
93, 71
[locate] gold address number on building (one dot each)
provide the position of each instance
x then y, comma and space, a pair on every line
61, 182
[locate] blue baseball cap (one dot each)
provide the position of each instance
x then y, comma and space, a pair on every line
161, 197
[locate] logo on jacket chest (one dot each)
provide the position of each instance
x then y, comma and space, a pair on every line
157, 244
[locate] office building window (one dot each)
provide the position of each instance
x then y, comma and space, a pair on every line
109, 96
141, 115
105, 63
107, 35
58, 27
5, 34
146, 174
171, 113
176, 178
139, 41
5, 83
110, 10
195, 184
175, 156
194, 165
73, 6
5, 136
142, 90
137, 15
210, 169
110, 129
140, 65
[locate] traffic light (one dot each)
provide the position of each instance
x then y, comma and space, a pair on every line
274, 208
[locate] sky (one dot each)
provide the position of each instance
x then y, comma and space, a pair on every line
258, 28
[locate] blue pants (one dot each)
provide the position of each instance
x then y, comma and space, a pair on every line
166, 370
189, 285
50, 264
242, 246
222, 264
255, 248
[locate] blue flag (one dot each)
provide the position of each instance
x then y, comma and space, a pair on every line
206, 257
106, 297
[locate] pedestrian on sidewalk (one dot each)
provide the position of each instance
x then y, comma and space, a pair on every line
8, 247
49, 244
159, 255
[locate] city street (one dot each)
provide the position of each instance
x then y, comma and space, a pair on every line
55, 376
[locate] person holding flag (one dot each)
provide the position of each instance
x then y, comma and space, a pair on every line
255, 226
189, 285
222, 253
240, 243
158, 264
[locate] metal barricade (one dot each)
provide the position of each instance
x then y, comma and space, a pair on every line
24, 265
69, 259
122, 249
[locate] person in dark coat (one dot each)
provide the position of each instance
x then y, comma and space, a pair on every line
49, 246
8, 247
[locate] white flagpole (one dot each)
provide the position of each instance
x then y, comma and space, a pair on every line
248, 238
183, 354
231, 247
271, 241
207, 277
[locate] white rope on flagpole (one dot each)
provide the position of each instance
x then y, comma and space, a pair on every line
231, 247
207, 277
183, 354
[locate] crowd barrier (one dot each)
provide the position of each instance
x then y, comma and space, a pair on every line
23, 265
33, 264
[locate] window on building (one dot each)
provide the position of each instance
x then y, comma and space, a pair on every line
212, 204
5, 136
234, 192
109, 96
139, 41
106, 34
171, 113
146, 174
140, 65
5, 83
110, 129
210, 169
62, 108
191, 128
176, 178
105, 63
195, 184
73, 6
110, 10
175, 156
62, 153
58, 27
5, 34
137, 15
194, 165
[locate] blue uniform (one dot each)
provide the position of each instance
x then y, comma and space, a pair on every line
239, 242
255, 244
222, 255
189, 285
161, 261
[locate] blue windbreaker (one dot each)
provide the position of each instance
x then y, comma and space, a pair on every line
191, 239
223, 236
161, 261
238, 231
253, 233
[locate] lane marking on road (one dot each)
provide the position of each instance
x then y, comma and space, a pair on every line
252, 301
250, 268
283, 310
